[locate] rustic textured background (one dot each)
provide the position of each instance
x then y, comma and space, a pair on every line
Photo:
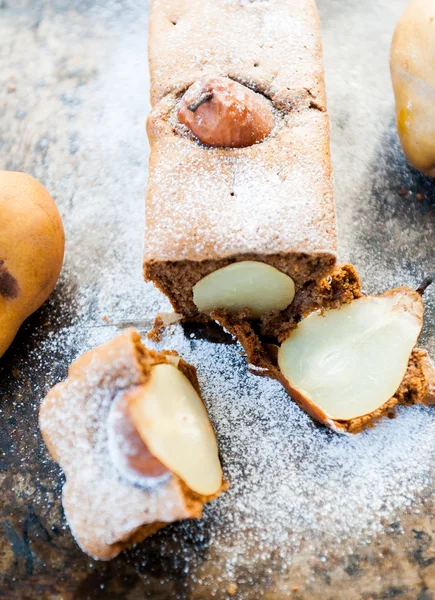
54, 55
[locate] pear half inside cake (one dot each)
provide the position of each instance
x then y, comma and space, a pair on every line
350, 361
246, 284
129, 454
172, 421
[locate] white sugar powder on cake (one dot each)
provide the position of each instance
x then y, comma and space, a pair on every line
293, 484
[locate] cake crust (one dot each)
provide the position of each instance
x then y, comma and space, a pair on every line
275, 44
274, 197
207, 208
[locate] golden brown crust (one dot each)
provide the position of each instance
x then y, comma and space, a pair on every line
106, 513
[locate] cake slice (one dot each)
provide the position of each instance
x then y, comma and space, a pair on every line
130, 431
349, 364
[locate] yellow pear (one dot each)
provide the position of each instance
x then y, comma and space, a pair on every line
413, 75
32, 245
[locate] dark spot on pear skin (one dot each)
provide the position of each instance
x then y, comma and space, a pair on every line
9, 287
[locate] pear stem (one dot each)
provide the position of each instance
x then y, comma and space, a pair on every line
427, 281
204, 97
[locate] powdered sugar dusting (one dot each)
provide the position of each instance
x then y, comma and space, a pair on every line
181, 52
268, 198
293, 485
101, 504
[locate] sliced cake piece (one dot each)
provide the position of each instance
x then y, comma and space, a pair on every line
349, 365
132, 435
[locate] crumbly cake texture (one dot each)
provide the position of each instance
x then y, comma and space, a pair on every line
341, 287
417, 386
73, 419
273, 201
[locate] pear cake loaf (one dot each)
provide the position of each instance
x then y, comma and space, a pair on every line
240, 208
240, 221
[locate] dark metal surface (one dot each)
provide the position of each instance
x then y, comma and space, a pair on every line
53, 55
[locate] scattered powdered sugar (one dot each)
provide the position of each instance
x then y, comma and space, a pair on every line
208, 203
294, 486
221, 46
292, 482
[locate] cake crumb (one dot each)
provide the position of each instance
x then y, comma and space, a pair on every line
161, 322
232, 589
156, 332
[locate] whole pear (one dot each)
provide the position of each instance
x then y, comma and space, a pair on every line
413, 74
32, 243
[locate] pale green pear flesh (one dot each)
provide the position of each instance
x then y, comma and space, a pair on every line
172, 420
246, 284
351, 361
